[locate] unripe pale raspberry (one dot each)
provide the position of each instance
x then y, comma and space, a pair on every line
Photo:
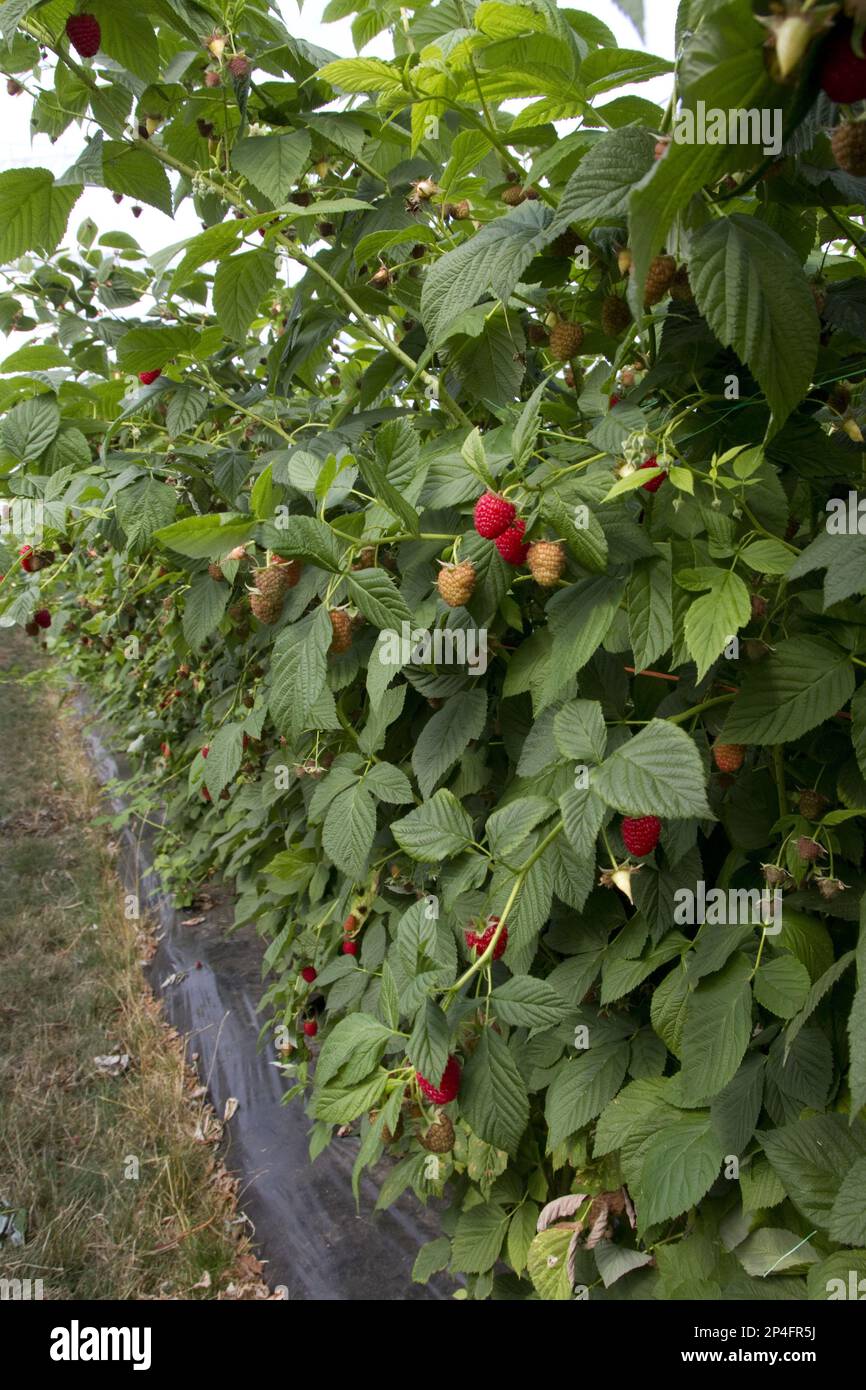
566, 340
615, 316
659, 280
439, 1138
456, 583
849, 147
729, 757
546, 561
341, 626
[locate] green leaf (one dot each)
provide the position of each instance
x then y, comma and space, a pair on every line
127, 169
239, 286
203, 608
582, 1088
145, 349
373, 591
681, 1162
524, 1002
144, 508
717, 1029
580, 618
586, 541
733, 76
857, 1024
713, 620
579, 731
446, 735
493, 1097
511, 825
659, 769
650, 610
127, 37
495, 258
206, 537
782, 985
35, 357
431, 1258
427, 1048
478, 1238
813, 1157
185, 409
601, 185
349, 830
751, 289
389, 783
358, 1038
768, 557
305, 538
224, 758
521, 1234
803, 682
771, 1250
272, 163
848, 1214
34, 211
437, 830
31, 426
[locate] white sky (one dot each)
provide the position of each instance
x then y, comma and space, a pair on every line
154, 230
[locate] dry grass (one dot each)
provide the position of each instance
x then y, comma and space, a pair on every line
118, 1198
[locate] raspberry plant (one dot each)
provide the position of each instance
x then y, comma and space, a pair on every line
258, 451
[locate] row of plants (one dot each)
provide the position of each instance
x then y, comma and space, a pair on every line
445, 527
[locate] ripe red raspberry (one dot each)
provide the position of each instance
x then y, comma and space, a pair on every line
492, 515
729, 757
42, 617
640, 835
350, 948
613, 402
29, 561
841, 73
147, 377
205, 793
449, 1084
84, 34
311, 1027
309, 974
654, 483
165, 750
351, 923
511, 545
205, 750
478, 942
